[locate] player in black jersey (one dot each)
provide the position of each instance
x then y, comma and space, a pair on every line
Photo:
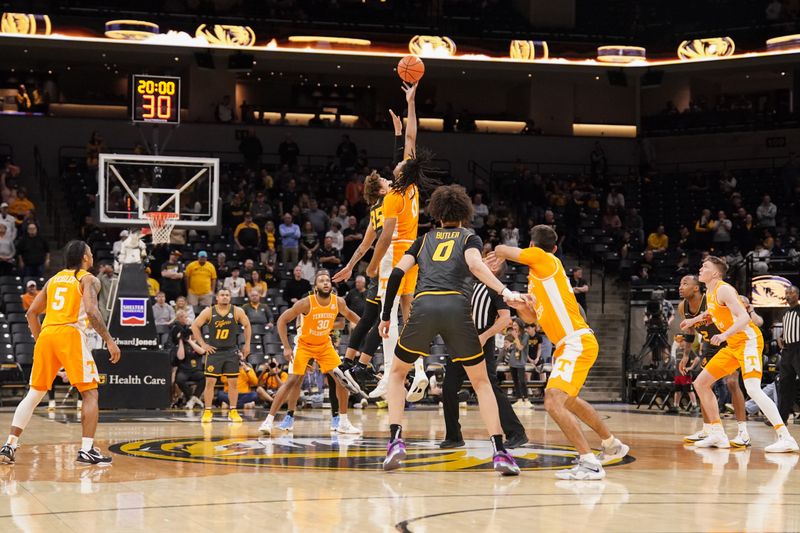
693, 305
222, 350
448, 257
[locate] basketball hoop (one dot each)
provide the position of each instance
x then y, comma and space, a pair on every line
161, 224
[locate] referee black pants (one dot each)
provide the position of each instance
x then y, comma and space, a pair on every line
787, 384
453, 379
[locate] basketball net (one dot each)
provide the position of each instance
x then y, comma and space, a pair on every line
161, 225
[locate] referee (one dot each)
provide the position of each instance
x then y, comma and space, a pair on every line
491, 315
790, 354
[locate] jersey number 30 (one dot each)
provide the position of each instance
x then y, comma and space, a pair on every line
443, 251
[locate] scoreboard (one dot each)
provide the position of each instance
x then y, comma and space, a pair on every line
156, 99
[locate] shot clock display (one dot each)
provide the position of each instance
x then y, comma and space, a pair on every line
156, 99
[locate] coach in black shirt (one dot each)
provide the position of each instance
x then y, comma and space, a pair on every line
491, 315
790, 354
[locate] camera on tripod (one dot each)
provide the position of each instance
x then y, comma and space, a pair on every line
654, 313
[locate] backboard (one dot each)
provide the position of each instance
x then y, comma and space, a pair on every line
132, 185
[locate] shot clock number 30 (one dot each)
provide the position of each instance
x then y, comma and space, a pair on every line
156, 99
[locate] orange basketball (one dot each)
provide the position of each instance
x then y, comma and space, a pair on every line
410, 69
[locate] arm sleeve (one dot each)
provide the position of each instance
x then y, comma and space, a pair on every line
416, 247
391, 292
399, 148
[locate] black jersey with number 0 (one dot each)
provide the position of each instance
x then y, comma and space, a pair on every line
442, 266
222, 329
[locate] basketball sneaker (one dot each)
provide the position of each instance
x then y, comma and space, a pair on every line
347, 428
265, 428
417, 390
516, 441
360, 373
335, 423
715, 439
51, 405
742, 440
583, 471
7, 454
784, 444
617, 450
380, 389
694, 437
93, 457
505, 464
395, 453
207, 417
234, 416
287, 424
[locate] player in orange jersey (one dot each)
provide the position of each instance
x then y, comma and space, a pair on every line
400, 221
317, 312
745, 345
558, 313
69, 303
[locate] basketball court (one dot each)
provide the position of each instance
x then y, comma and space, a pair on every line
170, 472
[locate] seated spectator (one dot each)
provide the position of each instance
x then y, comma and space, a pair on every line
164, 316
235, 284
634, 223
172, 276
221, 266
245, 382
249, 268
658, 241
33, 253
644, 271
7, 252
510, 234
247, 237
187, 356
336, 236
182, 305
684, 240
611, 221
615, 199
766, 213
153, 286
308, 266
297, 287
21, 206
257, 312
30, 293
329, 257
356, 297
254, 282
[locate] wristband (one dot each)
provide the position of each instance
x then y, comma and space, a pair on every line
505, 293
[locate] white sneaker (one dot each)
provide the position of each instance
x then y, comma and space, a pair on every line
784, 444
616, 451
742, 440
583, 471
380, 389
694, 437
265, 428
347, 428
51, 405
715, 439
418, 386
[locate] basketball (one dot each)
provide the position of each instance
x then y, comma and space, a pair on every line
411, 69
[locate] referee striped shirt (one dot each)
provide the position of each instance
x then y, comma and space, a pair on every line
485, 305
791, 325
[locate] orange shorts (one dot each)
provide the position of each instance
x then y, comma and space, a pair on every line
326, 357
572, 361
63, 346
747, 356
393, 256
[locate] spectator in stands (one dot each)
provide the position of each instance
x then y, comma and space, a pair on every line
766, 213
744, 232
288, 151
516, 352
201, 280
30, 293
598, 162
261, 210
245, 382
329, 257
224, 110
658, 241
356, 297
580, 287
164, 316
187, 357
106, 276
319, 220
510, 234
182, 305
645, 268
21, 207
727, 183
634, 224
347, 153
351, 238
615, 199
153, 286
684, 240
336, 236
251, 149
297, 287
116, 248
703, 229
7, 252
33, 253
95, 146
257, 312
308, 265
249, 267
479, 211
341, 216
611, 221
309, 242
722, 232
235, 284
290, 240
247, 237
354, 192
255, 283
23, 99
270, 243
491, 231
172, 276
9, 221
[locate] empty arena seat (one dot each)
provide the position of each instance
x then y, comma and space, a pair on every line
17, 318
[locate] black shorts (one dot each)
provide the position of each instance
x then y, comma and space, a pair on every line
448, 315
372, 291
222, 363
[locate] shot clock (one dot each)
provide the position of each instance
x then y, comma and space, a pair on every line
156, 99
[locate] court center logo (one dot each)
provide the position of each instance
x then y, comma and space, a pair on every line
133, 311
342, 453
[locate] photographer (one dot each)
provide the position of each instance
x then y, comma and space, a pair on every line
244, 382
272, 377
187, 357
657, 318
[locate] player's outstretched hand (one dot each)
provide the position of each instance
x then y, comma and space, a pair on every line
716, 340
398, 123
492, 261
411, 91
113, 351
343, 275
383, 329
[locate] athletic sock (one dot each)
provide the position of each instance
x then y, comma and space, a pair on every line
270, 419
742, 426
342, 419
87, 444
590, 458
608, 442
395, 432
497, 443
290, 413
12, 441
706, 428
717, 427
781, 430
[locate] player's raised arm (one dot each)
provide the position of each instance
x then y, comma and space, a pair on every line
411, 125
200, 321
301, 307
38, 306
90, 286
